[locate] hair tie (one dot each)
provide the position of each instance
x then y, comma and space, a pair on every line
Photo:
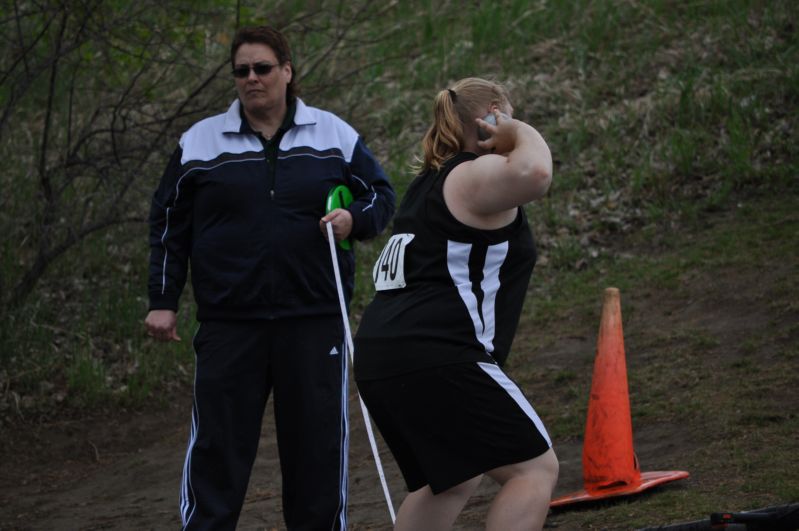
452, 95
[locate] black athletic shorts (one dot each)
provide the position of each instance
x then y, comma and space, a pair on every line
448, 424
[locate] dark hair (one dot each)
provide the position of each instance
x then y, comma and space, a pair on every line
276, 41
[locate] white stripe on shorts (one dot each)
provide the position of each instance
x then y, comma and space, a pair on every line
513, 390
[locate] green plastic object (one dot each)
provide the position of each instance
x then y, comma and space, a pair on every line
339, 197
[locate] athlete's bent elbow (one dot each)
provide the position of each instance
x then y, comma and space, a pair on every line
539, 179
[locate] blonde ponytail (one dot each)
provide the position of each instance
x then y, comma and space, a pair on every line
444, 136
466, 100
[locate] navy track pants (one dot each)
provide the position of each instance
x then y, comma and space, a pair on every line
238, 364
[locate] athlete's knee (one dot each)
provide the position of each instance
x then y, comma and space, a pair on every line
547, 465
544, 467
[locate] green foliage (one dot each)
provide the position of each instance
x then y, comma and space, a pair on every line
86, 380
657, 113
673, 127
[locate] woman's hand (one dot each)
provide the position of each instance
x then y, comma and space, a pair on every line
502, 134
342, 223
162, 325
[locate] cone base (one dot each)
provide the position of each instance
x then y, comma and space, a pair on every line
648, 480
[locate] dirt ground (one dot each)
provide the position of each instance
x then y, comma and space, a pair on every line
123, 473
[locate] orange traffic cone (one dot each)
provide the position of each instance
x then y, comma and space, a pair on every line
610, 466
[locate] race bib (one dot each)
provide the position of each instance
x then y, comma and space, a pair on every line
389, 270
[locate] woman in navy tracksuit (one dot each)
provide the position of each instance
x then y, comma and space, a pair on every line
242, 201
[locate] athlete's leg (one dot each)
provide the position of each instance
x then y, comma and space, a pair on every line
230, 391
310, 399
422, 509
523, 501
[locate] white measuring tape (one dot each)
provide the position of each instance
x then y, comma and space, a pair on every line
351, 350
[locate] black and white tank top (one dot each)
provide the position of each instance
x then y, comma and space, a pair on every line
444, 292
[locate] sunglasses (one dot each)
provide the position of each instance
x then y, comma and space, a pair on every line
260, 69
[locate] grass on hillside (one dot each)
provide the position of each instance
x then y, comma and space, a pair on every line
674, 133
657, 114
711, 336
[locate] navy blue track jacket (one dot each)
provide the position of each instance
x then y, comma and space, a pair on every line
252, 235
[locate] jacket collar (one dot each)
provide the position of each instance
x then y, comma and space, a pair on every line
302, 116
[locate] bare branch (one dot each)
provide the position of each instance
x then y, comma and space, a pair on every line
110, 130
44, 178
43, 260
